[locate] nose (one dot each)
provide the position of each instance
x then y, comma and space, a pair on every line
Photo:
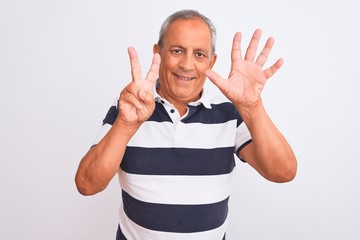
187, 62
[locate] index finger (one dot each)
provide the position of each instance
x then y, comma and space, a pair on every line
236, 49
135, 65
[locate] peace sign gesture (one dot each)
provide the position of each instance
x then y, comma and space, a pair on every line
247, 78
136, 102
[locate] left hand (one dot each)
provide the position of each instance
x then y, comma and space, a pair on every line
247, 78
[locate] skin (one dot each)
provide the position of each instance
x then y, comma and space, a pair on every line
185, 63
186, 55
269, 153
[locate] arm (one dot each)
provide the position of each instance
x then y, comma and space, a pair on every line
136, 104
269, 153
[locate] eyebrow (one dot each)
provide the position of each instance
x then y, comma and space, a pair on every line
195, 50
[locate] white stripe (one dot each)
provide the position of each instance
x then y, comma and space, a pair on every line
102, 132
242, 135
194, 135
132, 231
177, 189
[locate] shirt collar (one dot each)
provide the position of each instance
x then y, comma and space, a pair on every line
204, 99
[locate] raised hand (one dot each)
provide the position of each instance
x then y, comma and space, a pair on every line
136, 102
247, 77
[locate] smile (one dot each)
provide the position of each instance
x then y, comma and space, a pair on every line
184, 78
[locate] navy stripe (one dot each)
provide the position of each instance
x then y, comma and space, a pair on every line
111, 116
239, 119
119, 234
159, 114
219, 113
178, 161
175, 218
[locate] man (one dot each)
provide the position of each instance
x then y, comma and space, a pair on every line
175, 144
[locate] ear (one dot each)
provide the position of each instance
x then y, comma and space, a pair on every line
156, 49
212, 61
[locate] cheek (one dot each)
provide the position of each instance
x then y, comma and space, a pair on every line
167, 65
202, 68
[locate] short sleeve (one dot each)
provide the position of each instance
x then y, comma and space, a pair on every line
108, 121
243, 136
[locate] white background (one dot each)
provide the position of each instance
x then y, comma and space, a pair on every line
62, 63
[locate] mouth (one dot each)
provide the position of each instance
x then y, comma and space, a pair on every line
184, 78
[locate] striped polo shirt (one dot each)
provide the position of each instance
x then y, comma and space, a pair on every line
175, 175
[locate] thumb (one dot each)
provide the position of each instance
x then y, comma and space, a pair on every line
215, 78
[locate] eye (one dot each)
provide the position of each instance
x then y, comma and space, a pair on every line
200, 55
176, 51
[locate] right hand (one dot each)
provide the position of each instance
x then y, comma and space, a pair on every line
136, 101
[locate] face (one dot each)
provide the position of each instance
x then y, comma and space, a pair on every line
185, 56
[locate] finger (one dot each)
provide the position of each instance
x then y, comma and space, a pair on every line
145, 96
269, 72
215, 78
262, 58
251, 50
135, 65
153, 73
236, 54
130, 96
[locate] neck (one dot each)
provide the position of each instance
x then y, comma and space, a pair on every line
180, 105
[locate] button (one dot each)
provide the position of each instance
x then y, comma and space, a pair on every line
162, 101
172, 110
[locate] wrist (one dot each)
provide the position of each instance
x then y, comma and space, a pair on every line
125, 129
252, 111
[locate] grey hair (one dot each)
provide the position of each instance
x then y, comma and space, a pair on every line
187, 14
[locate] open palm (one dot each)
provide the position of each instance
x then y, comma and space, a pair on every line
247, 78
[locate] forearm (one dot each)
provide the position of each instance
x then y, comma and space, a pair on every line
272, 155
101, 162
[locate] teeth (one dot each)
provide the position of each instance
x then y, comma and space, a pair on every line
185, 78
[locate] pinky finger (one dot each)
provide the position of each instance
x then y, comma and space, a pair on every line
269, 72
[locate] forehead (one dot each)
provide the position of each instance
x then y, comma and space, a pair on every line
193, 33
